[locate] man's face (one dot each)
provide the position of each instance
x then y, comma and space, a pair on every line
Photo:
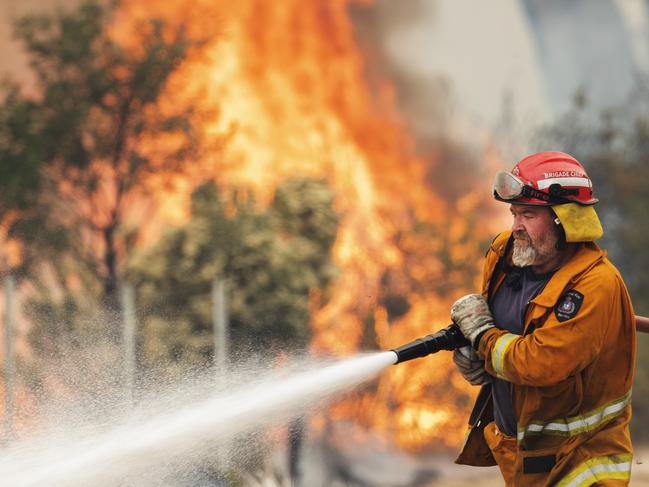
535, 235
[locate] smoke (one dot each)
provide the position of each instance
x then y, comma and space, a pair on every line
427, 101
14, 62
582, 45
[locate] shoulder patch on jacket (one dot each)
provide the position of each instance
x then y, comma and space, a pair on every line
568, 305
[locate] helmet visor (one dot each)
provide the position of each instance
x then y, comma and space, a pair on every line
507, 186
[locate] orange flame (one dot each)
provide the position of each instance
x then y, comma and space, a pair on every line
287, 81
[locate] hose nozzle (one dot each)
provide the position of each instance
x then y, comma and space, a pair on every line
448, 338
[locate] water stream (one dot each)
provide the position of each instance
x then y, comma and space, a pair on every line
148, 445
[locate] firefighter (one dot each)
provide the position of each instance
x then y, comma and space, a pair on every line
552, 338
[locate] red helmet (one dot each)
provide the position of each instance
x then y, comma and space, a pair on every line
546, 178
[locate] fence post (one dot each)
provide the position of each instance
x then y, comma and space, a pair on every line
128, 337
220, 323
10, 357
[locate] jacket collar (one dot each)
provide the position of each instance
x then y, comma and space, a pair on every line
499, 243
587, 256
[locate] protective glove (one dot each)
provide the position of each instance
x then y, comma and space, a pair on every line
471, 313
470, 366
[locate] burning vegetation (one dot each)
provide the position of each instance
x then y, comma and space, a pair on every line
282, 91
289, 86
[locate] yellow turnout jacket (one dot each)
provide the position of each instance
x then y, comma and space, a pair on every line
571, 373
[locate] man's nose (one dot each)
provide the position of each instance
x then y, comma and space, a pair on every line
517, 226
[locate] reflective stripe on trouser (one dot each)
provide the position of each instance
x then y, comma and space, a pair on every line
498, 353
576, 424
614, 467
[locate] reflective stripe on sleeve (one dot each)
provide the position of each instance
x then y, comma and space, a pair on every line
498, 353
614, 467
576, 424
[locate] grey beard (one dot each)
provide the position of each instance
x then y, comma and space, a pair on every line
523, 256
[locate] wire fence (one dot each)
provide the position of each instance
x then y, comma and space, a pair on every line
128, 342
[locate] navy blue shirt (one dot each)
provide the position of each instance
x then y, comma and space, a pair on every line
508, 307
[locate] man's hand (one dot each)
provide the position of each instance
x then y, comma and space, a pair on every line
471, 313
470, 366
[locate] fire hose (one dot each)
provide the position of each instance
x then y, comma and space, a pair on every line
451, 337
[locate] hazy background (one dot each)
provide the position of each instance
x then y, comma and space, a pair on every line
505, 58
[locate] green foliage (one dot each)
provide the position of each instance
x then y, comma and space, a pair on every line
19, 158
271, 260
73, 155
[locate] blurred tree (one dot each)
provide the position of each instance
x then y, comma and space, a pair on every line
271, 261
75, 155
614, 146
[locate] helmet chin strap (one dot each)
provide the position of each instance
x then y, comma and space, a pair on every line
561, 241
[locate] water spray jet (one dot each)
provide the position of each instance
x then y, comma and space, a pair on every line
175, 431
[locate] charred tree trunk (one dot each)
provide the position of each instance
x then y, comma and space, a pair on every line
111, 285
295, 439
